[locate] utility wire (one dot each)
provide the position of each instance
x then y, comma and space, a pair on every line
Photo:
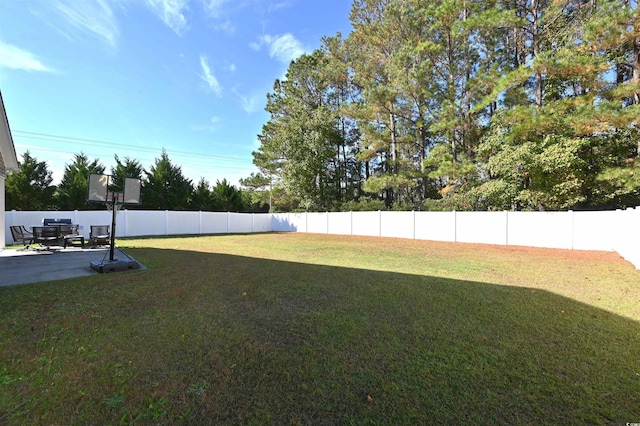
83, 141
184, 163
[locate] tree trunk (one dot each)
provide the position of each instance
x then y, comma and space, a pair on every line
535, 32
393, 147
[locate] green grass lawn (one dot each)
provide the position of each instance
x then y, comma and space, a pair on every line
314, 329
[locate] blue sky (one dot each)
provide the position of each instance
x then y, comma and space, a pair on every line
131, 77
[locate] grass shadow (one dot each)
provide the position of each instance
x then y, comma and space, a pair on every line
224, 339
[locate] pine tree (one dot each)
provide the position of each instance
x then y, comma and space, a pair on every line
72, 191
30, 188
165, 187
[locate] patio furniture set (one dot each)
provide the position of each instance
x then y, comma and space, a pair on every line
59, 233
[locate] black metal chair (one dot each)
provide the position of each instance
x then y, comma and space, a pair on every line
21, 235
99, 235
69, 234
47, 236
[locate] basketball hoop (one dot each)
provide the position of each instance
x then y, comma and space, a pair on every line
114, 199
100, 191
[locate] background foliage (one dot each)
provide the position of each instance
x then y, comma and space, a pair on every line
448, 104
163, 187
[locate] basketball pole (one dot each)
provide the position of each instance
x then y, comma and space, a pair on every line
113, 226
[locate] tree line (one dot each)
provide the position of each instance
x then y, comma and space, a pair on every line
163, 187
458, 104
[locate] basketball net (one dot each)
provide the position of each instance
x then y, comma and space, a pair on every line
110, 207
116, 200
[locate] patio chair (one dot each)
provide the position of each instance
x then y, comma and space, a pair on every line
47, 236
21, 235
99, 235
69, 234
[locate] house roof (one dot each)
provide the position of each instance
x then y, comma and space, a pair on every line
8, 158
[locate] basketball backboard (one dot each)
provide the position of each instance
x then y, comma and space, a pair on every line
131, 191
100, 192
98, 188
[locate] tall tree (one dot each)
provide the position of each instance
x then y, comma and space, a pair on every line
72, 191
556, 151
496, 104
30, 187
302, 137
165, 187
372, 44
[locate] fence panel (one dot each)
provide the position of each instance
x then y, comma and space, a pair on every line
541, 229
340, 223
240, 223
282, 222
366, 224
436, 226
317, 223
627, 235
261, 222
595, 230
481, 227
144, 222
299, 221
213, 222
397, 224
183, 223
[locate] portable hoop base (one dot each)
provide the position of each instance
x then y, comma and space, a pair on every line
115, 265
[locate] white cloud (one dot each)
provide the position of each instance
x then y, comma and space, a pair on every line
208, 77
214, 123
95, 18
255, 45
213, 8
231, 68
171, 12
226, 27
250, 103
284, 48
16, 58
279, 5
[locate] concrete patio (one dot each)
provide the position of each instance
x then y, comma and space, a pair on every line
33, 266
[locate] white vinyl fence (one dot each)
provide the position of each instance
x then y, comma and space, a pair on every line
616, 230
135, 223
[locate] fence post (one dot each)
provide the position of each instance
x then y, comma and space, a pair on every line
506, 227
166, 222
327, 222
252, 222
455, 226
379, 223
414, 224
228, 222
